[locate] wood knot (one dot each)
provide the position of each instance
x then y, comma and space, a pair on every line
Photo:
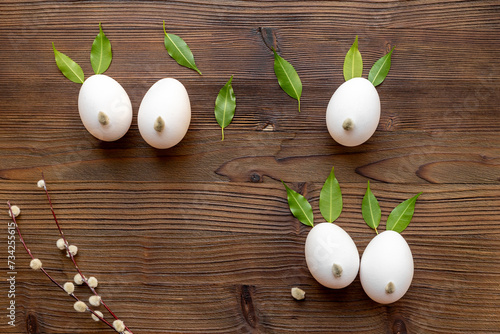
32, 324
399, 327
390, 124
269, 38
269, 127
302, 188
247, 306
255, 177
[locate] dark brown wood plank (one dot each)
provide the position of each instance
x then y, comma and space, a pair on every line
258, 156
435, 83
448, 14
194, 253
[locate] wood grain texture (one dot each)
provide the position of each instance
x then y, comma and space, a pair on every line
199, 238
222, 257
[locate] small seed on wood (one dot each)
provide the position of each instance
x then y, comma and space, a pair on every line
298, 293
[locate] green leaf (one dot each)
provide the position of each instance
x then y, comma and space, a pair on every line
400, 217
353, 63
100, 54
68, 67
330, 199
380, 69
225, 105
179, 50
299, 206
371, 209
288, 78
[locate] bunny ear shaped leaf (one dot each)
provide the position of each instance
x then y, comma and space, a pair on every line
353, 63
401, 216
330, 199
100, 54
179, 50
299, 206
380, 69
371, 209
68, 67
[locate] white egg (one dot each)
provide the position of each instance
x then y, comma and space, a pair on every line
353, 113
104, 108
331, 255
164, 114
386, 269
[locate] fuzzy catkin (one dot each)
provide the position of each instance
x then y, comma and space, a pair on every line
73, 250
93, 282
119, 325
61, 244
80, 306
95, 300
69, 287
78, 279
99, 313
40, 184
15, 211
35, 264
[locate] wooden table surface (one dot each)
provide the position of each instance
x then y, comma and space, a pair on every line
199, 238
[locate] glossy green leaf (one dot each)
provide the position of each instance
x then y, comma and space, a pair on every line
288, 79
68, 67
179, 50
330, 199
225, 105
380, 69
299, 206
100, 54
353, 63
400, 217
371, 209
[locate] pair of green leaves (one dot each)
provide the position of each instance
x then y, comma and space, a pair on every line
330, 202
398, 219
353, 65
100, 58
